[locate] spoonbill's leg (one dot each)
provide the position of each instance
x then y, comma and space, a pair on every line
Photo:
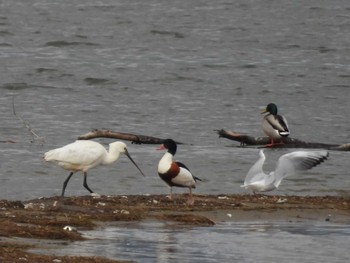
65, 183
85, 183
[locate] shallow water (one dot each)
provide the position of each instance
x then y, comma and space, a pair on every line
178, 69
225, 242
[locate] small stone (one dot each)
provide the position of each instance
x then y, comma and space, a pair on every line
69, 228
125, 212
282, 201
95, 195
29, 206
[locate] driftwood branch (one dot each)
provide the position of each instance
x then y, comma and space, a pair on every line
246, 140
137, 139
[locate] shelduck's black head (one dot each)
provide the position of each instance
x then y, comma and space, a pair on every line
170, 145
271, 108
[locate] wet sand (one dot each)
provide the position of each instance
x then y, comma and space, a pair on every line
59, 218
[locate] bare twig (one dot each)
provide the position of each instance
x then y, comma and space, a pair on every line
8, 141
35, 136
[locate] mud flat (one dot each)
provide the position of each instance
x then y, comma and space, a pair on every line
57, 218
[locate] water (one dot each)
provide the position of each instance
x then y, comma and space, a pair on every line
226, 242
176, 69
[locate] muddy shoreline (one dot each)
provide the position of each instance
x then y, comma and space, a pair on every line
57, 218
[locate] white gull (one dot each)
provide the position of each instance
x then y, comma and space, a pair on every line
288, 164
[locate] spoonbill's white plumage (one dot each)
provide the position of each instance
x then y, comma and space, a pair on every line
288, 164
175, 173
82, 155
275, 126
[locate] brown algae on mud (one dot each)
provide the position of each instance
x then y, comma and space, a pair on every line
13, 252
59, 218
85, 211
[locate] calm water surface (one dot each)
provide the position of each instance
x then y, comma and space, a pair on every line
226, 242
178, 69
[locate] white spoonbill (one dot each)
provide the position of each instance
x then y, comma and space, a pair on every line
288, 164
175, 173
82, 155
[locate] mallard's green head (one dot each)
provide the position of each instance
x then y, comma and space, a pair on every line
271, 108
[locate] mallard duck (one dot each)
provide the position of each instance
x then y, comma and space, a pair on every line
288, 164
275, 126
175, 173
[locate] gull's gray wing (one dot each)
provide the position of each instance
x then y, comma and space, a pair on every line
288, 164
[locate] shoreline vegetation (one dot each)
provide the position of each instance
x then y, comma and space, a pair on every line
57, 218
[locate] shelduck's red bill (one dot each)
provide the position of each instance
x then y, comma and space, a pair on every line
161, 147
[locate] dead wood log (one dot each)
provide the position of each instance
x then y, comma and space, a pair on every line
246, 140
137, 139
